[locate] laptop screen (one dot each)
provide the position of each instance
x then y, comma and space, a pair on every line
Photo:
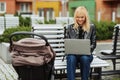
77, 46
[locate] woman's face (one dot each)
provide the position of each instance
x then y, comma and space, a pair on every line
80, 19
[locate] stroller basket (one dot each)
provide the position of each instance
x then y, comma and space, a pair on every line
32, 58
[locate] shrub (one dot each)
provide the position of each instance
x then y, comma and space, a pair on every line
104, 29
50, 22
5, 36
24, 21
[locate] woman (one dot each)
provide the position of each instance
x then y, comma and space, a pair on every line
81, 29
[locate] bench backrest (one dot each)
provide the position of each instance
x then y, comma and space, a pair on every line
11, 21
2, 25
37, 20
116, 39
64, 20
55, 35
61, 20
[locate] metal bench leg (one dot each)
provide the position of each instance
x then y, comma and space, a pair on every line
52, 77
98, 70
91, 73
114, 64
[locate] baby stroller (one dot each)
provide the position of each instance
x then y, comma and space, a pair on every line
32, 58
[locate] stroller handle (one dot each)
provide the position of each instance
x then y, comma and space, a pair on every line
27, 33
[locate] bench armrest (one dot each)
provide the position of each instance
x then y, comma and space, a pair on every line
106, 52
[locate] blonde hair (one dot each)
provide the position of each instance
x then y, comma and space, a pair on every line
86, 25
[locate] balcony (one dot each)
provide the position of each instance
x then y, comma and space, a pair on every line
110, 0
24, 0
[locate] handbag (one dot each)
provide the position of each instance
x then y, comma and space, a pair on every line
31, 51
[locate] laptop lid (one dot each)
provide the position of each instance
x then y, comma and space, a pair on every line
77, 46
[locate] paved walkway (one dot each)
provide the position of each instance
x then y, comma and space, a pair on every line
103, 46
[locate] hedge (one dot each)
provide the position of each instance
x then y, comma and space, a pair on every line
5, 36
104, 29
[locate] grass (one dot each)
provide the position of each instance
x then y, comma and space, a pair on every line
111, 77
116, 79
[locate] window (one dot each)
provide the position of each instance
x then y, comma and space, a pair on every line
2, 7
24, 7
41, 12
50, 13
118, 10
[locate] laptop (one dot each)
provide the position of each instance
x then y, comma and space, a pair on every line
77, 46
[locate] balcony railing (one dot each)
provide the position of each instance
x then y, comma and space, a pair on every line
110, 0
24, 0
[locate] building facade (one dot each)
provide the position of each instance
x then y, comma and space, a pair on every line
47, 9
50, 8
15, 6
108, 10
7, 6
100, 10
89, 4
24, 6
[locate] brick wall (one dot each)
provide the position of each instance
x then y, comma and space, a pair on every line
10, 6
106, 8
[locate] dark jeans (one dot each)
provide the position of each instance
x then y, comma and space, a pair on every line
73, 60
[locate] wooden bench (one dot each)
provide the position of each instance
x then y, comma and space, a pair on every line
8, 21
11, 21
64, 20
61, 20
55, 36
36, 20
114, 53
2, 24
7, 71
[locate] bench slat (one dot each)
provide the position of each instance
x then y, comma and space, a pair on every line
55, 40
53, 36
49, 32
47, 26
97, 62
57, 45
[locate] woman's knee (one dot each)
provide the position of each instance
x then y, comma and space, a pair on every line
71, 58
86, 58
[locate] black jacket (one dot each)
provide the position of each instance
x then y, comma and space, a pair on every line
74, 34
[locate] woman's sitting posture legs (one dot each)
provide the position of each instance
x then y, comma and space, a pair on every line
71, 67
84, 61
85, 66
